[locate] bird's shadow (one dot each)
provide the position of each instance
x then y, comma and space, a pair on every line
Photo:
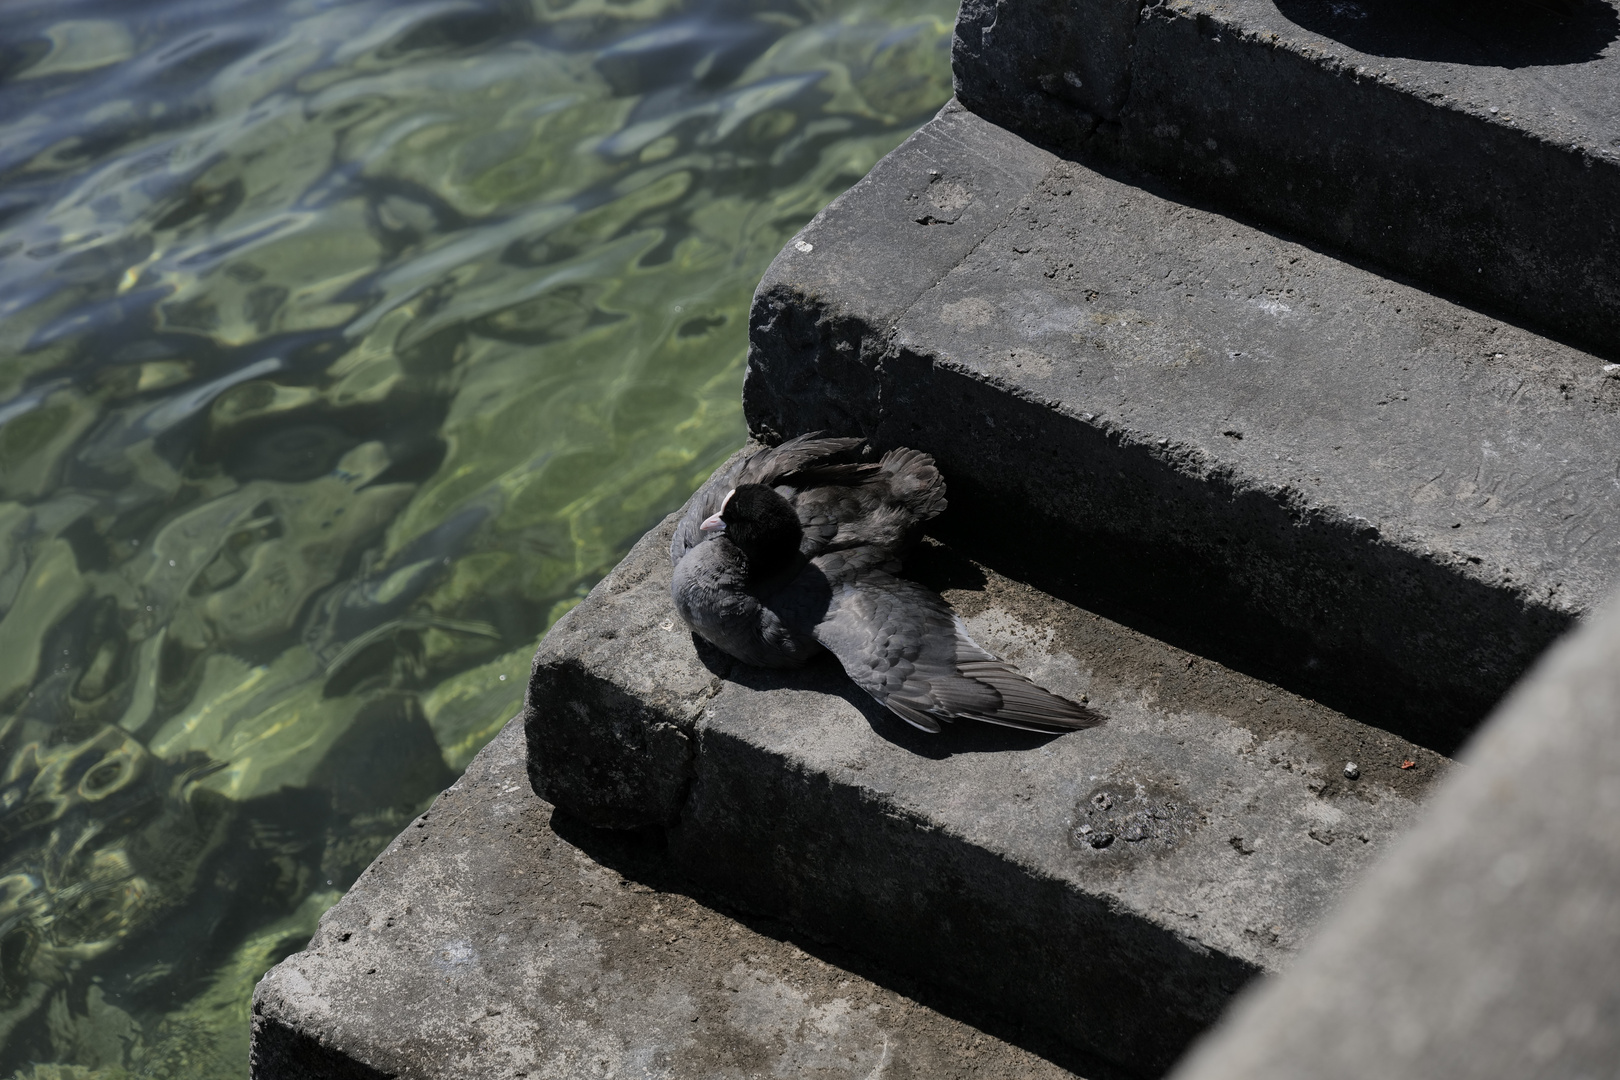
944, 569
1482, 33
823, 675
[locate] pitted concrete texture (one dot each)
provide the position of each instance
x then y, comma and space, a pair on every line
1473, 145
483, 944
1375, 497
1487, 942
1113, 887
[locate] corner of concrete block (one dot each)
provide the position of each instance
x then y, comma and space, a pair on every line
599, 752
1049, 70
284, 1044
809, 368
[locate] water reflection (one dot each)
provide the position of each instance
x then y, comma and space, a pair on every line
343, 345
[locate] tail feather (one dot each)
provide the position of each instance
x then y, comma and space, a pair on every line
914, 482
1023, 704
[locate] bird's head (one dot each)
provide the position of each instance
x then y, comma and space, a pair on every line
760, 522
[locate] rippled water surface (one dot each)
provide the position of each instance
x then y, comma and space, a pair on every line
343, 346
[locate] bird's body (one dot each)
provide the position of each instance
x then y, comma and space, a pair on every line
792, 551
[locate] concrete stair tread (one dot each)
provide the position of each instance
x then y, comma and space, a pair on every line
1483, 943
977, 859
484, 944
1419, 496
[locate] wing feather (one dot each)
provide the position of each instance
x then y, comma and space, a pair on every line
901, 643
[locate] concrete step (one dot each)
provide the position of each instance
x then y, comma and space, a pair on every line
1473, 145
1375, 497
1112, 887
491, 940
1484, 943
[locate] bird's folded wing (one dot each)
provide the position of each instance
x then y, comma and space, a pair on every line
901, 643
834, 520
880, 503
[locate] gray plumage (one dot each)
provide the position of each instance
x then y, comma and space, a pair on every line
807, 556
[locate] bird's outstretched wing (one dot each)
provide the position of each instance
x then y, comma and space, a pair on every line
901, 643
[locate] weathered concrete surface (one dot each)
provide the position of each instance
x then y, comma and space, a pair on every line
927, 204
1112, 887
1371, 495
1475, 145
482, 944
1487, 942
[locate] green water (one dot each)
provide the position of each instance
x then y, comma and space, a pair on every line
343, 346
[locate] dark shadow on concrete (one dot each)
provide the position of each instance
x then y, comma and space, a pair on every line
933, 904
1445, 290
642, 855
1481, 33
278, 1049
718, 663
943, 569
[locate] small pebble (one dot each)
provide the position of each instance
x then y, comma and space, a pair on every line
1352, 771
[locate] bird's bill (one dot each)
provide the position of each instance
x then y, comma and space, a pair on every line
713, 523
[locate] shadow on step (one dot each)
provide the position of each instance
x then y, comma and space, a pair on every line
641, 855
1486, 33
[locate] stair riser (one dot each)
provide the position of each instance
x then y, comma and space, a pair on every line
1400, 161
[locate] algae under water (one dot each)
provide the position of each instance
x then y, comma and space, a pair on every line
343, 345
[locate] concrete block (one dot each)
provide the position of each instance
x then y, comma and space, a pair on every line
1111, 887
1487, 941
927, 204
1473, 146
486, 943
1368, 494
